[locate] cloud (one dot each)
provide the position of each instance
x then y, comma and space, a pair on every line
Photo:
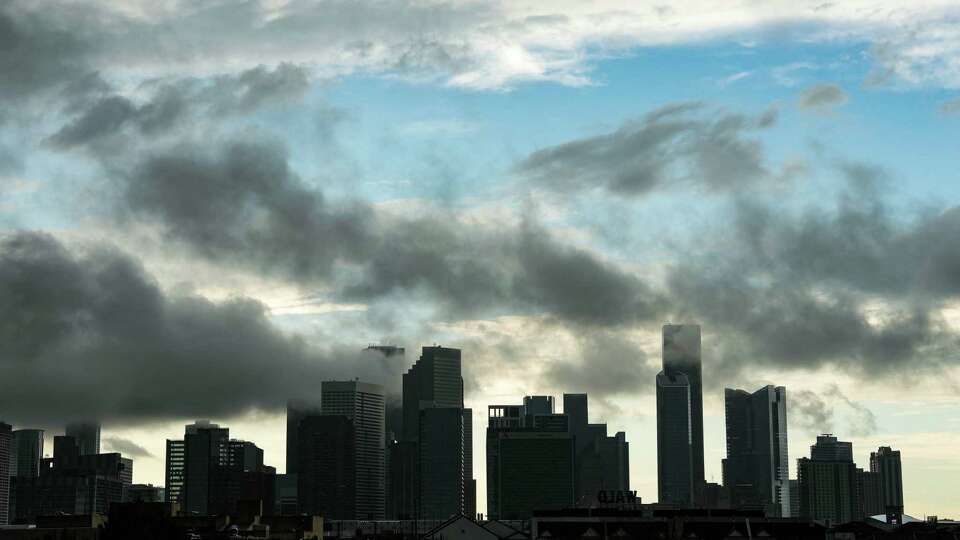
862, 421
679, 143
950, 106
823, 97
607, 364
810, 412
113, 116
126, 447
89, 334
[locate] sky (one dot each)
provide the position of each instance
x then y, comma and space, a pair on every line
209, 207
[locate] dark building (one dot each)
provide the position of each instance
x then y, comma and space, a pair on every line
363, 404
827, 482
402, 495
6, 439
26, 452
681, 354
208, 473
602, 461
326, 477
869, 502
529, 467
434, 382
675, 459
146, 493
87, 435
71, 483
756, 469
885, 462
441, 463
296, 411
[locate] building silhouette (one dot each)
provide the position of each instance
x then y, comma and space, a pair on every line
363, 404
6, 440
529, 467
327, 477
828, 482
602, 461
175, 470
885, 462
868, 494
296, 411
87, 435
675, 457
433, 382
26, 452
756, 469
681, 354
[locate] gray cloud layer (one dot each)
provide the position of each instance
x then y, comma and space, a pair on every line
676, 144
126, 447
90, 335
823, 97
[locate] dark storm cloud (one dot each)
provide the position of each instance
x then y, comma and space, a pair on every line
950, 106
240, 202
41, 49
853, 287
607, 364
175, 101
89, 334
126, 447
810, 412
678, 143
823, 97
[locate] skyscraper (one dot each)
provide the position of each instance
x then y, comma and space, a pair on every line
434, 382
296, 411
674, 440
885, 462
6, 438
756, 469
681, 354
441, 481
327, 467
363, 404
205, 449
601, 461
87, 435
26, 452
175, 471
828, 482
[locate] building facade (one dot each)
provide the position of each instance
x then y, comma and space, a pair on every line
681, 354
26, 452
363, 404
828, 482
675, 455
87, 435
6, 441
756, 469
326, 477
885, 462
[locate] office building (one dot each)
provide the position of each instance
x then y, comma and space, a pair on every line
434, 382
6, 440
71, 483
175, 471
794, 498
681, 354
26, 452
327, 477
441, 463
756, 469
675, 456
868, 495
87, 435
602, 461
885, 462
469, 482
828, 482
296, 411
402, 500
147, 493
528, 468
363, 404
205, 450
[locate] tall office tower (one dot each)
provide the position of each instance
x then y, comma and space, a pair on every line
675, 457
434, 382
827, 481
363, 404
296, 411
528, 468
681, 354
403, 486
6, 439
441, 463
886, 463
87, 435
327, 465
26, 452
602, 462
205, 449
868, 495
794, 498
469, 482
175, 471
756, 469
244, 455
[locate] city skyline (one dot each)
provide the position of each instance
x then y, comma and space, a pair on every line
207, 208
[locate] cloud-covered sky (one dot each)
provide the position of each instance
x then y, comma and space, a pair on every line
207, 208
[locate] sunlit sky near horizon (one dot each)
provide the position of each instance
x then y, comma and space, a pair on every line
208, 207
